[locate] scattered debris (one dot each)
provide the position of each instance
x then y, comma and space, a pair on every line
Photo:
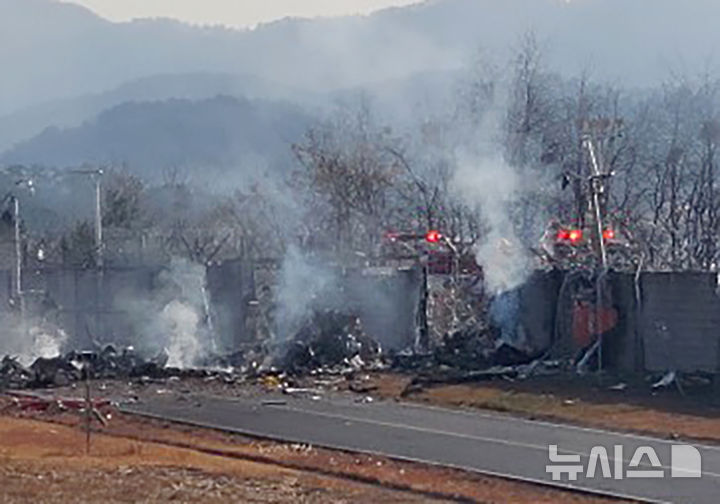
107, 363
665, 381
330, 342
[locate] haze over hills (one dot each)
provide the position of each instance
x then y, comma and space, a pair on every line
57, 50
63, 65
51, 50
65, 113
223, 132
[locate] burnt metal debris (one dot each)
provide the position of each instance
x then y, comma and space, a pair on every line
107, 363
330, 341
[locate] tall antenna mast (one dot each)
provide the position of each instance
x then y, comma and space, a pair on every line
597, 189
591, 130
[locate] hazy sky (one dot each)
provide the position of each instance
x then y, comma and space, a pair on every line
232, 12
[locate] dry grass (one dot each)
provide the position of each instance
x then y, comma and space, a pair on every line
139, 460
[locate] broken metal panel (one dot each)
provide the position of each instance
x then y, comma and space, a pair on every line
386, 302
538, 310
87, 304
585, 309
679, 321
385, 299
622, 350
463, 316
261, 309
5, 288
231, 291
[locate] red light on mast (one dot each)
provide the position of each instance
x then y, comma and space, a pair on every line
609, 234
575, 235
433, 236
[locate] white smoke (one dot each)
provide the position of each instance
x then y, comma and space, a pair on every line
173, 318
302, 285
181, 322
490, 183
28, 342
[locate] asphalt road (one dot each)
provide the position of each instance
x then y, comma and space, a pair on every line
489, 443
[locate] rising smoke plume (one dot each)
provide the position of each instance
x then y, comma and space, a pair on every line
303, 285
490, 183
173, 318
31, 339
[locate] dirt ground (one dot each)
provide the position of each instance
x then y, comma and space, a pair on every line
139, 460
42, 462
42, 459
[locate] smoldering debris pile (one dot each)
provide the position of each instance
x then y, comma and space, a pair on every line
108, 363
473, 348
14, 375
476, 348
330, 342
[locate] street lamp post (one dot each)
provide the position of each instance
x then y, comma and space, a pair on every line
98, 220
97, 174
18, 251
18, 245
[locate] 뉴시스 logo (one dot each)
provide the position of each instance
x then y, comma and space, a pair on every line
685, 463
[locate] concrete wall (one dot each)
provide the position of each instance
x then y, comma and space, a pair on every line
679, 321
86, 304
622, 346
231, 286
665, 321
538, 312
387, 301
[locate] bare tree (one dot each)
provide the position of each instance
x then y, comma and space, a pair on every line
348, 170
122, 205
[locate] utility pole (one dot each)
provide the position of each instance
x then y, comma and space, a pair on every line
592, 130
97, 174
597, 189
98, 220
596, 133
18, 257
11, 196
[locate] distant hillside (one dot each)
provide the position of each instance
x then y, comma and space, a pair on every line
223, 133
31, 121
51, 50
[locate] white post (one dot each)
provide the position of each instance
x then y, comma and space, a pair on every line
18, 258
596, 187
98, 220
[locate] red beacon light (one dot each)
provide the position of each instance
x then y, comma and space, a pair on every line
563, 234
570, 235
609, 234
433, 236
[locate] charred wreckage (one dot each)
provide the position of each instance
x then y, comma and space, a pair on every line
429, 314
